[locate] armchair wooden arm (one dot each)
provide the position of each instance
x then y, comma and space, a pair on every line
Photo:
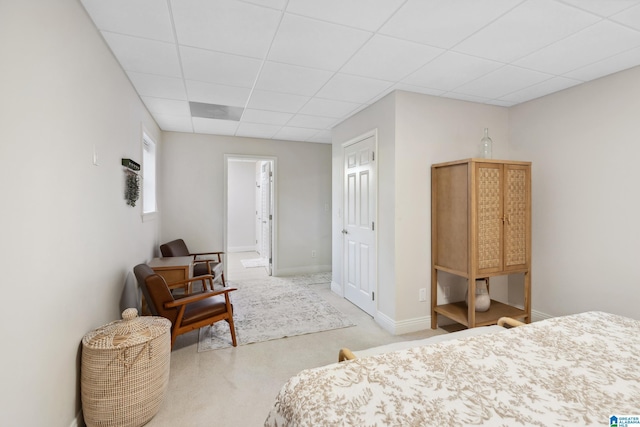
197, 297
195, 254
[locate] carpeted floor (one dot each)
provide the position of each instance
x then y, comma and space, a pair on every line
273, 308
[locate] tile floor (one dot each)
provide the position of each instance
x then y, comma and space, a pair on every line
237, 386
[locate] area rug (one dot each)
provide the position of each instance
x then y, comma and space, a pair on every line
274, 308
254, 262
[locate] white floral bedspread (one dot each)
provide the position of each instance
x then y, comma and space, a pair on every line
574, 370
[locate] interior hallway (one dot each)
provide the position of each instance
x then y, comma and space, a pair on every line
237, 386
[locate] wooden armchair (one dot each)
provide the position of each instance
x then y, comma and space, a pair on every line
201, 266
190, 312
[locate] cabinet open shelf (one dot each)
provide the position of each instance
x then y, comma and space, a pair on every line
458, 311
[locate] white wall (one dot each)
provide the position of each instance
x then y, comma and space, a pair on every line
584, 143
241, 202
414, 131
433, 130
381, 117
69, 241
193, 186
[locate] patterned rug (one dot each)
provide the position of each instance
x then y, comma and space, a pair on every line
273, 308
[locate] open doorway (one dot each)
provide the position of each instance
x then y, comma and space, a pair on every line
250, 212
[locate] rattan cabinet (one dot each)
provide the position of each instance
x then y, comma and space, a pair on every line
480, 228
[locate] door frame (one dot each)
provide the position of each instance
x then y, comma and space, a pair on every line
274, 202
372, 133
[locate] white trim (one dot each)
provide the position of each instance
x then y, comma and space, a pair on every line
538, 315
78, 421
309, 269
149, 138
423, 323
225, 215
337, 288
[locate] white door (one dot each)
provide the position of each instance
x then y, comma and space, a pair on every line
359, 224
266, 179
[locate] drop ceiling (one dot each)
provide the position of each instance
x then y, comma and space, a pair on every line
293, 69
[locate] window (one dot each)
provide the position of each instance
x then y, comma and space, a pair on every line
148, 175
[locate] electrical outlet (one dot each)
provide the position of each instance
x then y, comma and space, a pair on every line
313, 254
447, 292
422, 294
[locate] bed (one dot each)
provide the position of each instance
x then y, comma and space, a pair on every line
575, 370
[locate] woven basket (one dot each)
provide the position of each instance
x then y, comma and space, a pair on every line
125, 370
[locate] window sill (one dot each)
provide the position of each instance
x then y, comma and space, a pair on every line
149, 216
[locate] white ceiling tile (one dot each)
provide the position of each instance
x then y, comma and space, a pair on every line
225, 26
525, 29
222, 68
388, 58
501, 82
214, 126
223, 59
329, 108
324, 137
167, 106
295, 134
315, 44
266, 117
500, 103
172, 123
292, 79
143, 55
466, 97
417, 89
274, 101
257, 130
536, 91
600, 7
451, 70
599, 41
212, 93
311, 122
345, 87
443, 23
612, 64
365, 14
273, 4
142, 18
630, 17
158, 86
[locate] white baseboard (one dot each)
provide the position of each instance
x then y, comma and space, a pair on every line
336, 288
538, 315
78, 421
403, 326
309, 269
421, 323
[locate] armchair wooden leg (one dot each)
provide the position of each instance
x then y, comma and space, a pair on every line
222, 278
232, 328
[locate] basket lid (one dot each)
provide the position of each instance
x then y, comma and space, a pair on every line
130, 331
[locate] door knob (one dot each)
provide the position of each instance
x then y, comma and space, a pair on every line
345, 232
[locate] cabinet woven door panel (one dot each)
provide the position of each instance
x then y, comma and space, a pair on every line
489, 220
516, 216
